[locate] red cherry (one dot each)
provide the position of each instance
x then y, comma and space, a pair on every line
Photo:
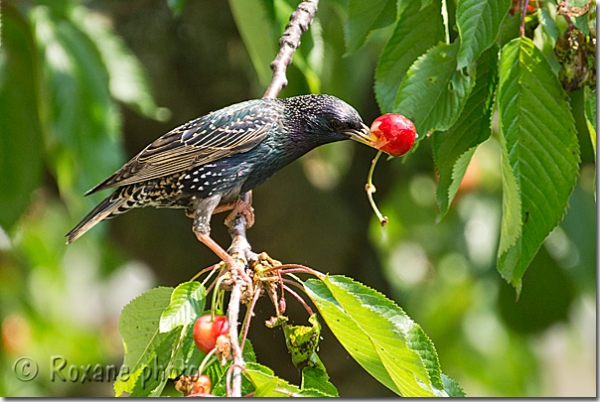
206, 331
396, 134
203, 385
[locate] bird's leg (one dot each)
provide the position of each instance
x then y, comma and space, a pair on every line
201, 228
242, 206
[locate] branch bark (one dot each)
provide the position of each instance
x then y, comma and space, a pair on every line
300, 20
240, 249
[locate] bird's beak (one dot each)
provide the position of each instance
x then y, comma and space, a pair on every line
364, 136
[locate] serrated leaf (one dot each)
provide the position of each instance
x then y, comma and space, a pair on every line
316, 378
138, 326
266, 383
540, 155
417, 30
252, 21
187, 303
155, 372
453, 149
363, 18
590, 115
478, 22
379, 335
452, 388
21, 141
433, 93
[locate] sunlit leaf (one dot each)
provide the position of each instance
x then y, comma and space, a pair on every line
266, 383
453, 149
139, 328
315, 378
540, 155
417, 30
379, 335
478, 22
434, 92
187, 303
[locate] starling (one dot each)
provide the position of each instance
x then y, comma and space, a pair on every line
206, 165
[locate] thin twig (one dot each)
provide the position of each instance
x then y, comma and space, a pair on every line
300, 20
246, 325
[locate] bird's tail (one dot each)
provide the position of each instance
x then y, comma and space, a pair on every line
106, 209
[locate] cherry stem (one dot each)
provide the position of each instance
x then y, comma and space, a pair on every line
301, 269
522, 27
370, 188
205, 362
297, 296
228, 377
248, 318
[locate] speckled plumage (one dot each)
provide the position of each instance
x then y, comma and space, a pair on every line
212, 160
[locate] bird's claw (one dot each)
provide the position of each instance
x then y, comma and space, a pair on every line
241, 207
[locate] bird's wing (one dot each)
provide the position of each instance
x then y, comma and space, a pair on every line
232, 130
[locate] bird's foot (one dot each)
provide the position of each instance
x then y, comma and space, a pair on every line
244, 208
236, 266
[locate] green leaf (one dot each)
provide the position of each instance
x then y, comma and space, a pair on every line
252, 21
590, 114
303, 341
127, 79
452, 387
433, 93
176, 7
21, 141
478, 24
316, 378
187, 303
453, 149
363, 18
138, 326
540, 155
417, 30
220, 379
266, 383
82, 119
379, 336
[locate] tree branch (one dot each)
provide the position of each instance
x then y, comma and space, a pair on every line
240, 249
300, 20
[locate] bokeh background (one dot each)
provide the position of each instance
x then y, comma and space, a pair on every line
85, 85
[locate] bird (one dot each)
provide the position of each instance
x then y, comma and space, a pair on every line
208, 164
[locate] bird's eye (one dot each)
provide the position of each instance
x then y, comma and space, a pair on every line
337, 124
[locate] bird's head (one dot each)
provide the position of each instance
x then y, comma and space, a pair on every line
325, 118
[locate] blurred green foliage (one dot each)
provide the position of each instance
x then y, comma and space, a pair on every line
79, 88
